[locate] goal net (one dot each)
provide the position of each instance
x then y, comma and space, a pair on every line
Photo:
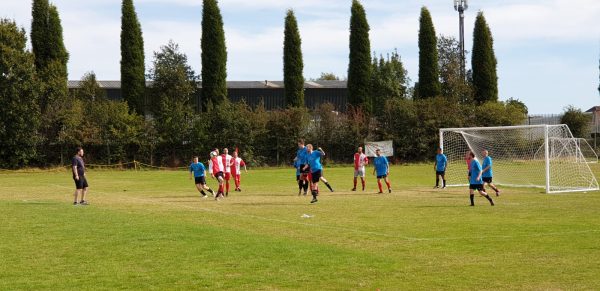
545, 156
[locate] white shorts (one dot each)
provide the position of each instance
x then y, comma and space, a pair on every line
360, 172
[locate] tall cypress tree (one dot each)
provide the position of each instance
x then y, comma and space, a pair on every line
214, 55
39, 32
359, 68
483, 62
292, 63
429, 73
133, 80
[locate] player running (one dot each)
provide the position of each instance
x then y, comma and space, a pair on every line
216, 171
440, 168
476, 183
382, 167
236, 170
227, 163
198, 170
360, 161
314, 164
487, 171
302, 159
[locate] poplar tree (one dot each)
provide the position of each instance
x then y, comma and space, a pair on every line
133, 80
429, 75
483, 62
293, 78
359, 68
214, 55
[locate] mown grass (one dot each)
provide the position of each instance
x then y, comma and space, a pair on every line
150, 230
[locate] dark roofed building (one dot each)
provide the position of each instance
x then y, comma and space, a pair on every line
254, 92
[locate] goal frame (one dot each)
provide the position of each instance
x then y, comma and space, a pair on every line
546, 150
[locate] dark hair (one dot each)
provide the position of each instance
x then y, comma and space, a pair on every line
301, 140
194, 157
471, 154
77, 149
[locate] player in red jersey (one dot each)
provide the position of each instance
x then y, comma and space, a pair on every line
360, 161
227, 162
216, 171
236, 170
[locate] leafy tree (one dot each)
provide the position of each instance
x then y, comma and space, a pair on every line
577, 121
39, 32
174, 85
19, 93
483, 62
453, 85
429, 84
89, 89
517, 104
328, 77
359, 68
292, 63
133, 81
214, 55
388, 81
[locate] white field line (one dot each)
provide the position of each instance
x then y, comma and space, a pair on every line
363, 232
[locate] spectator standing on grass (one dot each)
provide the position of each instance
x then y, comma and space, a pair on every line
81, 184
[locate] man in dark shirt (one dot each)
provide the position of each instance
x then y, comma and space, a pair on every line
81, 185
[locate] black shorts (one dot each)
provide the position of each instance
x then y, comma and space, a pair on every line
200, 180
316, 176
478, 187
381, 176
219, 174
304, 171
81, 183
440, 173
487, 179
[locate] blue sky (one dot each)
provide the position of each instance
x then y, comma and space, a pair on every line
547, 51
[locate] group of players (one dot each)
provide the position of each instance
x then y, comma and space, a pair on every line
309, 172
478, 175
221, 167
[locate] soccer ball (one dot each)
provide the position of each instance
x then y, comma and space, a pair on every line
213, 154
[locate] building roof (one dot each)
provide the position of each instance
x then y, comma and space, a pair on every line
594, 109
231, 84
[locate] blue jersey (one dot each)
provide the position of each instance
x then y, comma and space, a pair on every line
381, 165
198, 169
441, 162
314, 161
297, 165
475, 170
487, 162
302, 156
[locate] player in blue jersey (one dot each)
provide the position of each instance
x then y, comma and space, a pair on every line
440, 168
302, 159
314, 164
476, 182
382, 167
487, 171
198, 171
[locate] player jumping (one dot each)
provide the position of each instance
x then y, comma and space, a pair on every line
198, 170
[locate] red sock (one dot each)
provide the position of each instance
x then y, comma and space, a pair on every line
354, 183
363, 184
227, 186
388, 184
379, 185
220, 188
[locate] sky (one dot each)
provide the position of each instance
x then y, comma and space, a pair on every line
548, 51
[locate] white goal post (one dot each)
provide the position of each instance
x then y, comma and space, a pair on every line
544, 156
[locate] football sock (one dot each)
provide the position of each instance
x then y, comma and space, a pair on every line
489, 199
379, 185
227, 186
363, 184
202, 192
354, 183
300, 184
305, 186
444, 182
472, 197
388, 185
211, 191
437, 182
328, 186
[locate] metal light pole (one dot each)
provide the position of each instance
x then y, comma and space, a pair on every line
461, 6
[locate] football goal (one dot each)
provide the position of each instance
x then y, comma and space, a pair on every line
544, 156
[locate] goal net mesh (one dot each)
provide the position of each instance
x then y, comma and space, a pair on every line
520, 157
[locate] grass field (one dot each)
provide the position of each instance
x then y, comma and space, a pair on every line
150, 230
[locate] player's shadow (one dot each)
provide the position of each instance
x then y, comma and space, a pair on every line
267, 204
175, 197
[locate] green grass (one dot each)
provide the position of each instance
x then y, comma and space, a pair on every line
150, 230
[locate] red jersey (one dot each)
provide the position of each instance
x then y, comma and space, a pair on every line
216, 165
227, 162
236, 168
360, 160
